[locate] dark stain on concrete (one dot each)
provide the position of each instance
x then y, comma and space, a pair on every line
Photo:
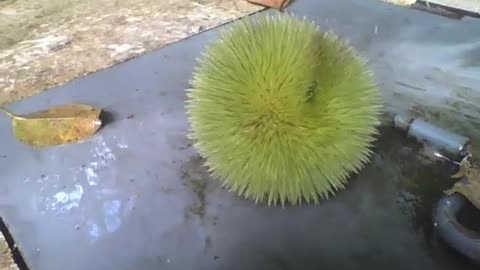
471, 58
165, 190
198, 187
196, 178
208, 242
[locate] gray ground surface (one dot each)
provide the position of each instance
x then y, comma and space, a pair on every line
136, 197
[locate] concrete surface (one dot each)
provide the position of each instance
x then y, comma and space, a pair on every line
136, 196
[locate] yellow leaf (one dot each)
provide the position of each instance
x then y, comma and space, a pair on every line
56, 125
470, 189
458, 174
278, 4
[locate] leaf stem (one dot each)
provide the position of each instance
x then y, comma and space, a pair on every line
11, 115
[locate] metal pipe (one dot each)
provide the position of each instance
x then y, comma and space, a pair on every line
446, 142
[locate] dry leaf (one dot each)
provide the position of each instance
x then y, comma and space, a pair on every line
458, 174
278, 4
469, 189
56, 125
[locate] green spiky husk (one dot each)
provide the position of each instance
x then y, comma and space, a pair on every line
282, 112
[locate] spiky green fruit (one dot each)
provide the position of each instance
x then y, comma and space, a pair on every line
282, 112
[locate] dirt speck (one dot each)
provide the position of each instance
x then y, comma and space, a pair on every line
167, 111
179, 141
165, 190
208, 242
